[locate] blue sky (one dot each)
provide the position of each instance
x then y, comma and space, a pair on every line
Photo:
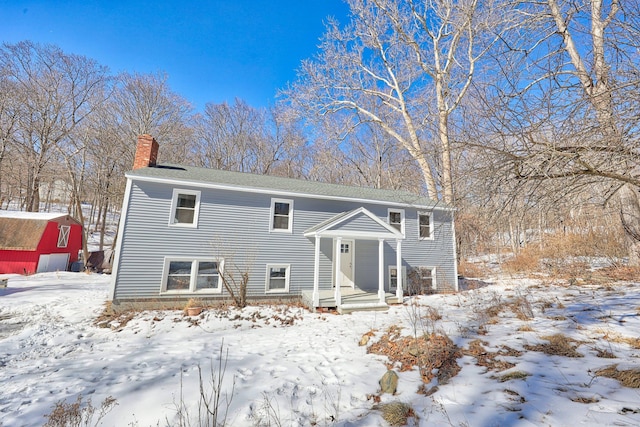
212, 51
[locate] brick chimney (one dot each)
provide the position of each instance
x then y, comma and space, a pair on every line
146, 152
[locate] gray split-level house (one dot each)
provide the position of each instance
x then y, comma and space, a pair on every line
183, 227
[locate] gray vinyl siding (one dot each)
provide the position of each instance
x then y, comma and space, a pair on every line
358, 223
235, 225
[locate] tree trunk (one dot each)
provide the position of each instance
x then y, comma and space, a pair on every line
630, 217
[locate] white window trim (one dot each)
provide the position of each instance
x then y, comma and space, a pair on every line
287, 277
174, 204
63, 236
194, 275
401, 212
430, 215
272, 212
434, 284
404, 277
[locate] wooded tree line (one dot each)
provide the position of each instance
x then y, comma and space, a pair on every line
523, 115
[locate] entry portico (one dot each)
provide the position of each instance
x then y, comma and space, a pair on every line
345, 228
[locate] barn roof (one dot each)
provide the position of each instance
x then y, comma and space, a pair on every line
23, 230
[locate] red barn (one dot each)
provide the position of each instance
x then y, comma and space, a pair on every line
35, 242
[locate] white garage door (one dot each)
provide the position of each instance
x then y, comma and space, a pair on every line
53, 262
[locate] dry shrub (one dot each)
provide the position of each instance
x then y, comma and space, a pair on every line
595, 242
553, 254
628, 378
522, 308
430, 353
525, 328
471, 269
396, 413
75, 414
527, 261
559, 345
433, 314
110, 318
620, 273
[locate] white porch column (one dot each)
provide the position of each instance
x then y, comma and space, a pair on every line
316, 274
381, 293
399, 269
338, 296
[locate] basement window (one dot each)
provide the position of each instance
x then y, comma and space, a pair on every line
278, 277
183, 275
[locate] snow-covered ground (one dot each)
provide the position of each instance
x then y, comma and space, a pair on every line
292, 367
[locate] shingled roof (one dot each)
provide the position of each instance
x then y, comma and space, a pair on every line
189, 175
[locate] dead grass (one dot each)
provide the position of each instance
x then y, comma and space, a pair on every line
604, 354
110, 318
522, 308
430, 353
585, 399
558, 345
628, 378
471, 269
396, 413
515, 375
526, 261
619, 273
489, 359
633, 342
597, 242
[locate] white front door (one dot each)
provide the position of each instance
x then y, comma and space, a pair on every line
346, 263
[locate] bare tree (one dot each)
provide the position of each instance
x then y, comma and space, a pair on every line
403, 66
9, 107
55, 93
565, 111
241, 138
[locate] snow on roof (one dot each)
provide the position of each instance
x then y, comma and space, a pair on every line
42, 216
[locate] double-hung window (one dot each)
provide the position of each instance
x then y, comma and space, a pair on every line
281, 215
184, 275
425, 225
185, 206
395, 219
278, 277
63, 236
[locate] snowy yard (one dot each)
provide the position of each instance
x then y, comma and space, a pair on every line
292, 367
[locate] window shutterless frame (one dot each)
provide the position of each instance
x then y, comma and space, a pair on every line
277, 279
281, 216
425, 225
395, 218
183, 275
185, 208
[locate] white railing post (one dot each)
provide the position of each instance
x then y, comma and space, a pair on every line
381, 293
338, 296
399, 270
316, 274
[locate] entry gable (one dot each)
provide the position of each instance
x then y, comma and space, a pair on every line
359, 223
